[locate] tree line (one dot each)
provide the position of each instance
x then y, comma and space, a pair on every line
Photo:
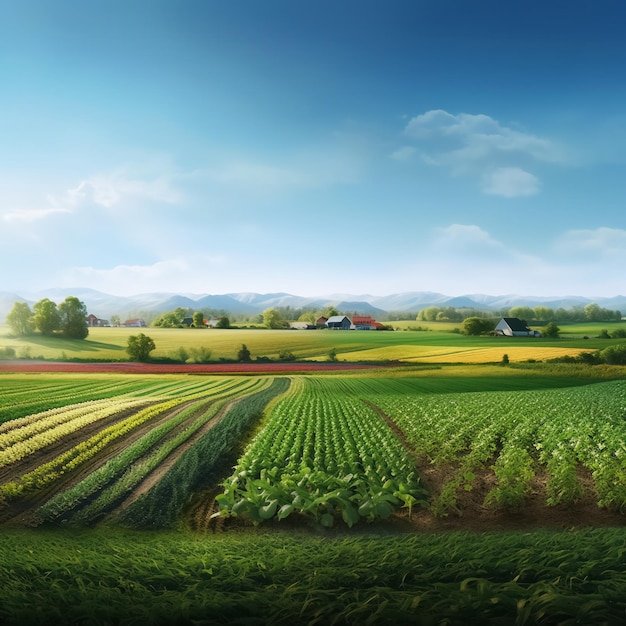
591, 312
68, 319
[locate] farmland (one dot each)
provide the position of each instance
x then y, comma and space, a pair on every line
425, 493
437, 344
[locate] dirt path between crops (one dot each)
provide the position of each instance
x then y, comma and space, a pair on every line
158, 472
22, 511
472, 514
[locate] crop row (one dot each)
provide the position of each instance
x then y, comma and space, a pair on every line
323, 455
42, 430
47, 473
112, 481
518, 434
18, 401
199, 465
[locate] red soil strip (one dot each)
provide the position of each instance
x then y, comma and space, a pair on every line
19, 366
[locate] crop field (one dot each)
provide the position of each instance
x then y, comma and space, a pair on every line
420, 494
436, 345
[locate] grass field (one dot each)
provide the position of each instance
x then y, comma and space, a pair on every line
88, 456
413, 346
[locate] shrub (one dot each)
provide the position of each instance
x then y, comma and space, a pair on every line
550, 330
139, 347
614, 355
180, 354
7, 353
244, 354
201, 354
286, 355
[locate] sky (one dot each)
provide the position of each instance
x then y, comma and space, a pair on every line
314, 148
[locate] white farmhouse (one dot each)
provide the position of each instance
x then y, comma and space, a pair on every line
514, 327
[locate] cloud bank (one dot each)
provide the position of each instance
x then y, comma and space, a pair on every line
479, 146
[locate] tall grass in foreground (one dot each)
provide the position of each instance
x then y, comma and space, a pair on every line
454, 579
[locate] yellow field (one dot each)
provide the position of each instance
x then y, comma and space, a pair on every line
451, 354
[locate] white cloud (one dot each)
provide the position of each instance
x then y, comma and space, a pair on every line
463, 235
602, 242
109, 190
478, 145
30, 215
510, 182
176, 275
479, 136
468, 251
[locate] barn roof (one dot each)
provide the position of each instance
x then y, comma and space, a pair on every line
515, 323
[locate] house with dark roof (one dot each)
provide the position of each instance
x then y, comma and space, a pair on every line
339, 322
514, 327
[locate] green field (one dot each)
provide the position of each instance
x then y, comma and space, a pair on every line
427, 494
436, 345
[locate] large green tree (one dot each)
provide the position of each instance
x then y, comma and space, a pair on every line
139, 347
20, 319
543, 313
46, 317
273, 319
524, 313
223, 322
477, 325
73, 314
198, 319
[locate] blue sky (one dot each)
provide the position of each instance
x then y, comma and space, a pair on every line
330, 147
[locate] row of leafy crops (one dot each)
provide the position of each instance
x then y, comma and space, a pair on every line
28, 395
155, 417
24, 395
325, 455
201, 464
518, 435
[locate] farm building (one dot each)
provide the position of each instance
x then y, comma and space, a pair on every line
514, 327
93, 320
301, 326
135, 323
365, 322
320, 322
188, 321
339, 322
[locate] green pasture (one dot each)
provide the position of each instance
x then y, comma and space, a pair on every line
112, 577
435, 345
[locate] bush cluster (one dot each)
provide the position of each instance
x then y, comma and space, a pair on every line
611, 355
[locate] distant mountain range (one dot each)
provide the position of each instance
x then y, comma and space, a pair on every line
105, 305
